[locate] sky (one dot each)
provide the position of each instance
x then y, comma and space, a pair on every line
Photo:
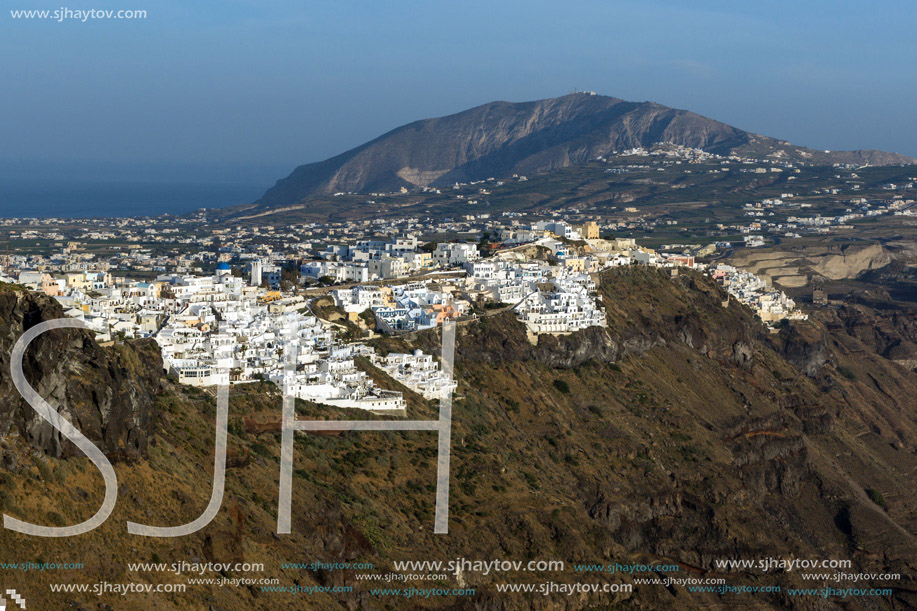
245, 90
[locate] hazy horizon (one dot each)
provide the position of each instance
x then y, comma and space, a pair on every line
244, 92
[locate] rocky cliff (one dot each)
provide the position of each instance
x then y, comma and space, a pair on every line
108, 393
684, 433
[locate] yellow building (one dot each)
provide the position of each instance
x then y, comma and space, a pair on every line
590, 230
575, 264
76, 281
424, 259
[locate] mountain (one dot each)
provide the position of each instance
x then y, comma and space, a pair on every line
502, 138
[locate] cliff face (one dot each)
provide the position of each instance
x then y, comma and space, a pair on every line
694, 434
693, 314
791, 268
683, 433
108, 393
502, 138
892, 333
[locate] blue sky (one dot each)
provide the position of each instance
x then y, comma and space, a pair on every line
245, 90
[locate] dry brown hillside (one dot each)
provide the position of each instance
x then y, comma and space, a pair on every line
684, 434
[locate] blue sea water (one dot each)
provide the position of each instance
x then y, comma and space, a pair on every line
85, 199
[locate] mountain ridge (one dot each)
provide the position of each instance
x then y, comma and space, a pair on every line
502, 138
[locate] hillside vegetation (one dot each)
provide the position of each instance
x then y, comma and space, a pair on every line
684, 433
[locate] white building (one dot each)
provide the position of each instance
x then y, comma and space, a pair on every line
450, 254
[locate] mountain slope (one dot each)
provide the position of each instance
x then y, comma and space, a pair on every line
684, 433
502, 138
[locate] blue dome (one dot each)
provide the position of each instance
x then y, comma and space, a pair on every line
223, 266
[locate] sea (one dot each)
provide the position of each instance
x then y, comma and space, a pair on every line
87, 199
